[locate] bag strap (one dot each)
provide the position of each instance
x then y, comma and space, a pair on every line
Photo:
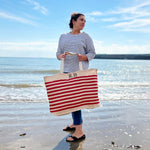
62, 62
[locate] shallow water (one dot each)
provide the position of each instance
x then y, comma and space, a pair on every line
22, 79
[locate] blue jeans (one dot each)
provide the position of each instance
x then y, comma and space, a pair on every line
77, 117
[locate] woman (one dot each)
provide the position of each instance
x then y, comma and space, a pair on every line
82, 44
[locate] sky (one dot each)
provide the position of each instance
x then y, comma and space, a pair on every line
31, 28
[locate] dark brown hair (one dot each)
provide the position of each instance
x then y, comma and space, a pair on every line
74, 16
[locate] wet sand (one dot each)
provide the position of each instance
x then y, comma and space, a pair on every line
126, 123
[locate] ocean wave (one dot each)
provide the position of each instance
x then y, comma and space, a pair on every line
31, 71
21, 85
100, 84
124, 84
23, 101
10, 100
99, 72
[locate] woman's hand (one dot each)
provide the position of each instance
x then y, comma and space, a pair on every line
60, 56
82, 57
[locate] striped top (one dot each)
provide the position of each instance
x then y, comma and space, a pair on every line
80, 43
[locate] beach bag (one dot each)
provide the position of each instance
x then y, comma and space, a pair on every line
69, 92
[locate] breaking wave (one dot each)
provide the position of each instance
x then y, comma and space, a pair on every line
31, 71
124, 84
21, 85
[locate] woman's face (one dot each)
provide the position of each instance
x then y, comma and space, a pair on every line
79, 23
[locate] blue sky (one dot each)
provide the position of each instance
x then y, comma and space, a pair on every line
31, 28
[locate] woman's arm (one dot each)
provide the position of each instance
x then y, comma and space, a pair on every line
60, 56
59, 53
90, 48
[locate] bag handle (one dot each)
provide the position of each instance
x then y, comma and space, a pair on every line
62, 62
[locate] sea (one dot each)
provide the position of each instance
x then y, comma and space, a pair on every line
22, 79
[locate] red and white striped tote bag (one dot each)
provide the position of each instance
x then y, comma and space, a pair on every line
72, 91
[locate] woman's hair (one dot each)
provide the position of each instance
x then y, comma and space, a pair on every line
74, 17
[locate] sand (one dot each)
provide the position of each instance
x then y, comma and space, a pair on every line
126, 124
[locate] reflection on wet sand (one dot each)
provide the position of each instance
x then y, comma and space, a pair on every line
76, 145
117, 125
63, 145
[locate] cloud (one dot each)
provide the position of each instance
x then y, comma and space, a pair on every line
109, 19
28, 49
133, 18
16, 18
49, 48
39, 7
92, 16
95, 13
120, 49
138, 10
134, 25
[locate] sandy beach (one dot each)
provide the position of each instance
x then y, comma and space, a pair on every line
115, 125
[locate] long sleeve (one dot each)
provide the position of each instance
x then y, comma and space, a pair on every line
59, 48
90, 48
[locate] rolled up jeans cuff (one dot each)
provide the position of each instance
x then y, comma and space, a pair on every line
77, 117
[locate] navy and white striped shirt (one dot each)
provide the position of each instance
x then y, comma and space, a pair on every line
79, 43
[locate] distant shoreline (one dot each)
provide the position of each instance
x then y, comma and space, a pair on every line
123, 56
